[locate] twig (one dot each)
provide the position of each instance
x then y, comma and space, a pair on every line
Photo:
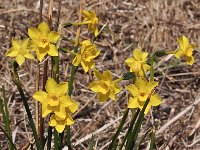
163, 128
97, 131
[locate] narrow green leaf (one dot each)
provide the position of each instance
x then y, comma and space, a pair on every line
152, 70
128, 133
115, 144
10, 140
152, 138
131, 143
7, 120
0, 146
92, 143
26, 106
119, 129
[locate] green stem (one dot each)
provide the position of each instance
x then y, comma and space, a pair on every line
135, 115
55, 68
70, 89
130, 144
30, 119
49, 138
69, 138
56, 145
119, 129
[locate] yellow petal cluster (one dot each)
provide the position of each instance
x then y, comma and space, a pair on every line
140, 92
138, 63
185, 49
105, 86
86, 56
92, 21
43, 40
56, 101
20, 50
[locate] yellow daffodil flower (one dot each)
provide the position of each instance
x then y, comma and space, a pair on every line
60, 123
141, 91
20, 50
55, 100
185, 49
105, 86
92, 21
43, 40
138, 63
87, 55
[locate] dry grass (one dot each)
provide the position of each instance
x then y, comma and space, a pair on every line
152, 25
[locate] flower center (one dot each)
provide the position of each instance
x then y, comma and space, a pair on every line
142, 94
53, 100
44, 41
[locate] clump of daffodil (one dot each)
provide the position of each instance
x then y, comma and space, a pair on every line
92, 21
55, 99
105, 86
138, 63
60, 123
141, 91
185, 49
20, 50
43, 40
86, 56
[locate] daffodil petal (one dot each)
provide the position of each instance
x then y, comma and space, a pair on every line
51, 85
133, 89
60, 128
97, 74
65, 100
53, 37
53, 51
147, 109
44, 28
61, 113
24, 43
155, 100
29, 56
133, 102
151, 85
40, 96
53, 121
16, 44
103, 97
73, 108
62, 88
40, 52
137, 54
189, 60
12, 52
76, 60
99, 86
107, 76
34, 33
140, 83
69, 120
96, 32
20, 59
86, 14
45, 110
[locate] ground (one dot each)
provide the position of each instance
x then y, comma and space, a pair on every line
151, 25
